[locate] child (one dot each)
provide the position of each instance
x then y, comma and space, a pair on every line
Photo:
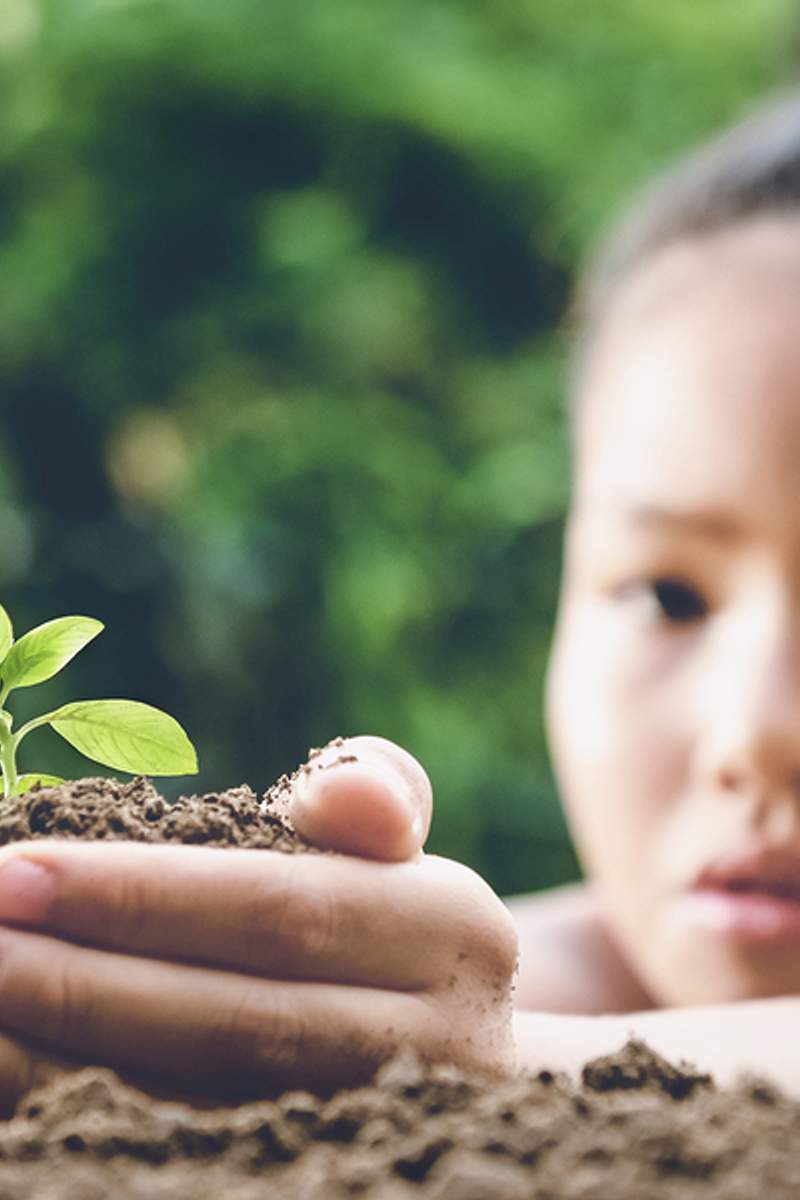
674, 713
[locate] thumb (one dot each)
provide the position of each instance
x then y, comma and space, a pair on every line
363, 796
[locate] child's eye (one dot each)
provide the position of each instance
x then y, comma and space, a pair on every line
675, 602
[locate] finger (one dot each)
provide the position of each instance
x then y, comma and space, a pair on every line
288, 916
222, 1033
17, 1066
363, 796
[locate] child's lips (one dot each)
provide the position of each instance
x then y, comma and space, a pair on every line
751, 896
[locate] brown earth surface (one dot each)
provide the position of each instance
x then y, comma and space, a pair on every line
637, 1127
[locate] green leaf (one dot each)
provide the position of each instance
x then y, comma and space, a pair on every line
126, 735
26, 782
6, 633
41, 653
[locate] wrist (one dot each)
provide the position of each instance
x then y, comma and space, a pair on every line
564, 1042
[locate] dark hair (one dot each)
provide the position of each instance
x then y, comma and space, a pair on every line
750, 169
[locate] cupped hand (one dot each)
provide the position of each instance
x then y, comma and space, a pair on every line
241, 972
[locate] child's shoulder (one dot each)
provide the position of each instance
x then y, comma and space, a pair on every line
569, 960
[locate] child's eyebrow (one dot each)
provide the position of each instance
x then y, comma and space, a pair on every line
709, 523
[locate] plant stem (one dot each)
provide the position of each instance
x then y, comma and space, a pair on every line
8, 755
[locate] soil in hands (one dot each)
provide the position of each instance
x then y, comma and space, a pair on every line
636, 1128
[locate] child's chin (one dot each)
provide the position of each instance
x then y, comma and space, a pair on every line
697, 973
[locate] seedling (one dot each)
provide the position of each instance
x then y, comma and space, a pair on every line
125, 735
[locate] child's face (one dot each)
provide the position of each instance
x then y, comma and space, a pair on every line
674, 688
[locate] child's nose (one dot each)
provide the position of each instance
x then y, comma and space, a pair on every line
752, 745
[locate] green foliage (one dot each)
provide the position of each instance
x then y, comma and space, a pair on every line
125, 735
42, 652
279, 355
6, 633
27, 781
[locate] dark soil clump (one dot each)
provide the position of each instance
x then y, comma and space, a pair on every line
636, 1128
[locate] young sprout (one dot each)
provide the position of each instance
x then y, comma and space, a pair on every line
125, 735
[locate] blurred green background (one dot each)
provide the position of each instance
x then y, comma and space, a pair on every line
281, 381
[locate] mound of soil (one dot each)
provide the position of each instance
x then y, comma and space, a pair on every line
95, 810
636, 1128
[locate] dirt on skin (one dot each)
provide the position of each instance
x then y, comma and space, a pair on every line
636, 1128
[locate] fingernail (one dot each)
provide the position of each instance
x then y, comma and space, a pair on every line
312, 784
26, 889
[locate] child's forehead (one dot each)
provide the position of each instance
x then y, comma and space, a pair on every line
694, 384
762, 251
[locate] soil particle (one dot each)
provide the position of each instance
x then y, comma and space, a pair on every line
635, 1128
642, 1068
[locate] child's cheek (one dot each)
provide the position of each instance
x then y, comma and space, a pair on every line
621, 745
616, 700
